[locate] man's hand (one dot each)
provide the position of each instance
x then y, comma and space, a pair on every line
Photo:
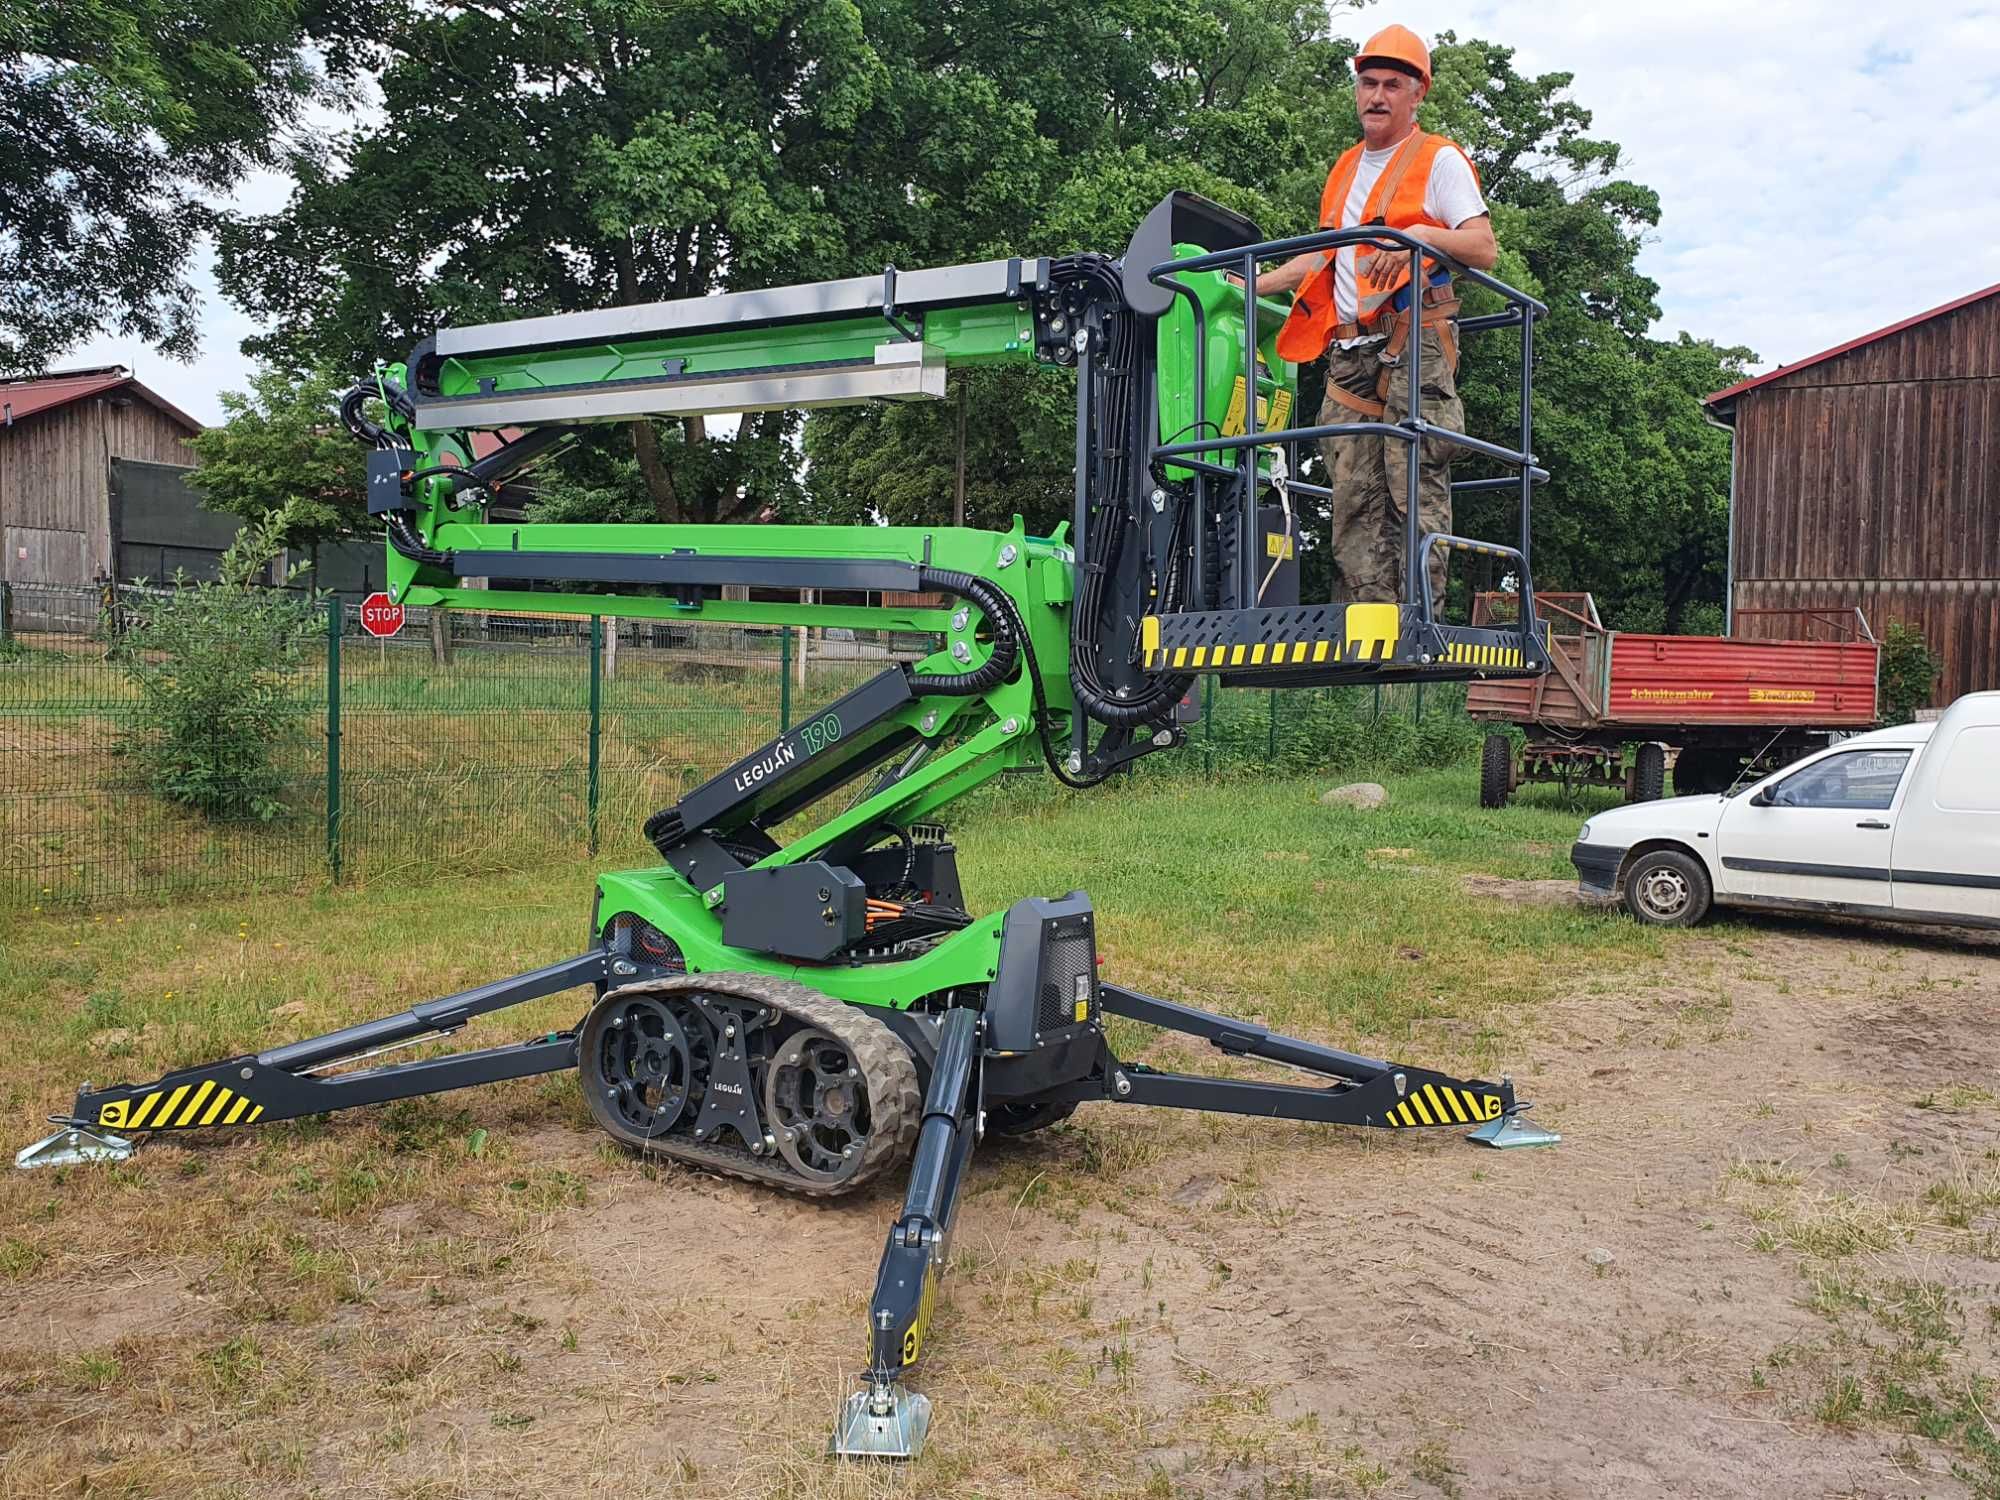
1471, 244
1389, 261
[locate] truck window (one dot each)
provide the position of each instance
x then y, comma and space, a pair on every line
1857, 780
1970, 780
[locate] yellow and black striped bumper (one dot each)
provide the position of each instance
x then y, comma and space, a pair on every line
1355, 642
1446, 1104
171, 1106
1485, 653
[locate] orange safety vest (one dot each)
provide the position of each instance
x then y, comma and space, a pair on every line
1397, 201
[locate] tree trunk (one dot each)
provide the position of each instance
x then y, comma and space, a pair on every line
645, 441
653, 469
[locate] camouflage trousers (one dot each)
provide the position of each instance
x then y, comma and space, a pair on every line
1370, 479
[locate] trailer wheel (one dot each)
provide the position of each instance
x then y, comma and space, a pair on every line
1496, 771
1699, 772
1667, 888
1649, 773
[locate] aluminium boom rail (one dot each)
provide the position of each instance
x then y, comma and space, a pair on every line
812, 1009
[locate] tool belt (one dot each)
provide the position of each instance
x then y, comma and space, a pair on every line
1440, 307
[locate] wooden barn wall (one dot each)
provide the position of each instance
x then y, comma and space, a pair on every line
1870, 481
55, 472
1960, 620
1874, 479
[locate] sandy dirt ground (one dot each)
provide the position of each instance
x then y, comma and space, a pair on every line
1762, 1262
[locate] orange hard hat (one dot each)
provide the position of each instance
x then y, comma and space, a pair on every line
1397, 47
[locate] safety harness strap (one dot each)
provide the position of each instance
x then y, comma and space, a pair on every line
1440, 307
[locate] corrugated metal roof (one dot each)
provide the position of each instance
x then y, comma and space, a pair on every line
1731, 392
20, 399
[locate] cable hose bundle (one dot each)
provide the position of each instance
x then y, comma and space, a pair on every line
664, 830
1008, 634
357, 423
1008, 624
1109, 529
403, 537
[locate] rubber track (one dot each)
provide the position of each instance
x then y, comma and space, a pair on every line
895, 1107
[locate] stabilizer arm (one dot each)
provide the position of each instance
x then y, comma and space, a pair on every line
284, 1083
1363, 1090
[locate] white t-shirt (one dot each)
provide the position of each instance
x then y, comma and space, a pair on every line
1451, 197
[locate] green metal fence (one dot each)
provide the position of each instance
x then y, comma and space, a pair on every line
482, 740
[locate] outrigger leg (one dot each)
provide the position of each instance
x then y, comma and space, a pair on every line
1363, 1091
285, 1082
887, 1419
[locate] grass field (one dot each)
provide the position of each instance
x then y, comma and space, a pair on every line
1761, 1262
344, 1270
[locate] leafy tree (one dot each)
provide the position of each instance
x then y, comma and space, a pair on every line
1226, 98
1636, 506
1253, 109
897, 461
282, 452
116, 118
213, 666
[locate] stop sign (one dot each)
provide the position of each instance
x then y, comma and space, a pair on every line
381, 616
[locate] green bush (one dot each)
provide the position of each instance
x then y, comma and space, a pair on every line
214, 665
1910, 670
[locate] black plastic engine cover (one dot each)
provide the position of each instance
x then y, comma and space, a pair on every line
1044, 991
809, 911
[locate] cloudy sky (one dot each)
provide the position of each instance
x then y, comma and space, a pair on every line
1824, 168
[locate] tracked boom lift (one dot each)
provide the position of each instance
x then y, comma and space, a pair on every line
810, 1010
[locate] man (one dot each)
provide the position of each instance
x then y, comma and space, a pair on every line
1359, 305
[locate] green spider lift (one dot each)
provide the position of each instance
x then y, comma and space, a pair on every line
810, 1011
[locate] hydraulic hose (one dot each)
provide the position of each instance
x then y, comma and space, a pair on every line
403, 537
1110, 531
357, 423
998, 609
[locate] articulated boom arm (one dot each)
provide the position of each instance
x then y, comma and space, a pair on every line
1165, 550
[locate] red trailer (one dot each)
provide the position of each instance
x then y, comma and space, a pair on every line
1721, 702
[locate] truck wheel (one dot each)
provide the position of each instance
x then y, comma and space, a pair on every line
1667, 888
1649, 773
1496, 771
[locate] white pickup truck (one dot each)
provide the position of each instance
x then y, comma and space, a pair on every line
1902, 824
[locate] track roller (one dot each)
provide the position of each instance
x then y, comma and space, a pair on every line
756, 1077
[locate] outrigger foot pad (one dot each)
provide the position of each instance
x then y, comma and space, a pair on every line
884, 1421
73, 1145
1512, 1130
